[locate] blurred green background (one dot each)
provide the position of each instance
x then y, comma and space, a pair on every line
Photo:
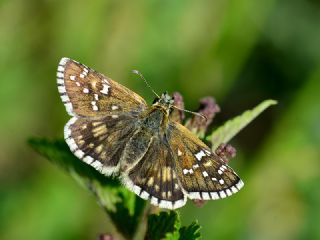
239, 51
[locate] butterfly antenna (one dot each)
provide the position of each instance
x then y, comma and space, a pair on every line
194, 113
142, 77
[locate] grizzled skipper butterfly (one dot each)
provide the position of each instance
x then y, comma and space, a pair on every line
116, 132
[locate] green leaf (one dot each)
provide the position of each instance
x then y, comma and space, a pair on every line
167, 226
159, 225
59, 154
190, 232
123, 207
226, 132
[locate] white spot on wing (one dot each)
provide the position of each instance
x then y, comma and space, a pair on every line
72, 144
234, 189
97, 165
88, 159
154, 200
207, 152
85, 90
179, 203
60, 75
108, 170
60, 81
61, 89
194, 195
206, 196
205, 174
214, 195
72, 77
229, 193
105, 89
79, 153
166, 204
186, 171
63, 61
222, 194
65, 98
239, 185
199, 155
94, 106
144, 195
136, 189
68, 107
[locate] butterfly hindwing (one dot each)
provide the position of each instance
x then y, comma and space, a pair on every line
88, 93
202, 174
154, 177
100, 142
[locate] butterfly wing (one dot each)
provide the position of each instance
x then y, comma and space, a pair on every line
87, 93
202, 174
104, 114
99, 142
153, 177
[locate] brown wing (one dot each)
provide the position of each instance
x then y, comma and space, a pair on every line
201, 173
88, 93
154, 177
99, 142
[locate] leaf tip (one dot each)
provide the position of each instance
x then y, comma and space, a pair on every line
271, 102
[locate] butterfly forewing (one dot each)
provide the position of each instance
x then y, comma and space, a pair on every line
154, 177
202, 174
104, 114
88, 93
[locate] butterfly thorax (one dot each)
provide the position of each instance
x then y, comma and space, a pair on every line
156, 117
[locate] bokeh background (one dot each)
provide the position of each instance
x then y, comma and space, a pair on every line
239, 51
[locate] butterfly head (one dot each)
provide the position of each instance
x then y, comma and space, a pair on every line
165, 101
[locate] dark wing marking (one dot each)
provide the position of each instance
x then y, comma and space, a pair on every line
154, 177
202, 174
99, 142
88, 93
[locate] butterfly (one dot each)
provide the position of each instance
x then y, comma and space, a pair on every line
116, 132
